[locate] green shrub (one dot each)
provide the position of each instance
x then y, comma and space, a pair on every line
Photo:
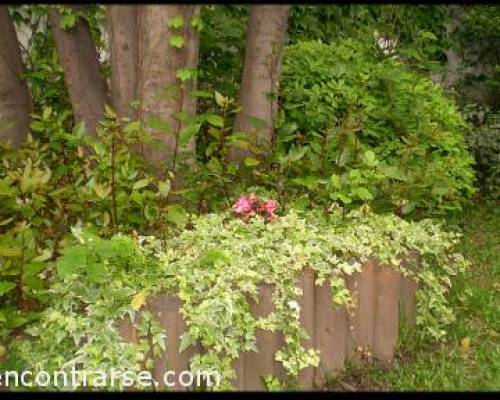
59, 178
360, 126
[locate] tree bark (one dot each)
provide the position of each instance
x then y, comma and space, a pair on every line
454, 63
79, 60
15, 101
161, 94
123, 32
266, 34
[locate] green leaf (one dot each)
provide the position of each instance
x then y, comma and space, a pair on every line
197, 22
6, 287
310, 182
184, 74
251, 162
96, 272
46, 255
187, 133
164, 188
177, 41
140, 184
362, 193
177, 215
67, 21
176, 22
73, 258
335, 181
221, 100
213, 256
215, 120
33, 282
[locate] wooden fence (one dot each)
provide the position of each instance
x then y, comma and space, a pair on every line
368, 329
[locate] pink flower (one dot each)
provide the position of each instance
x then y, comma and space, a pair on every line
269, 208
243, 205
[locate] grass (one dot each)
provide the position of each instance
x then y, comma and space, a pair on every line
470, 359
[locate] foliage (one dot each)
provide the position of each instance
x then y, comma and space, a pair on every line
470, 359
222, 48
43, 73
97, 282
416, 33
356, 125
60, 178
483, 137
216, 268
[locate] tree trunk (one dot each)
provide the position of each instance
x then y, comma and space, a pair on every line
123, 32
161, 97
15, 101
258, 94
454, 63
79, 60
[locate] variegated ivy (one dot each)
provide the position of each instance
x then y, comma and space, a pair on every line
216, 267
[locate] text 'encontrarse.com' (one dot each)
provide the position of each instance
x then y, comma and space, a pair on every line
112, 378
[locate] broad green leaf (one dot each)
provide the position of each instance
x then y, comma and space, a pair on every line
215, 120
187, 133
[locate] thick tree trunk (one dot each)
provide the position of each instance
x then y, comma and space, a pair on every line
79, 60
258, 94
161, 94
123, 32
15, 101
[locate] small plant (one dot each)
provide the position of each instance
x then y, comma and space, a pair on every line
249, 206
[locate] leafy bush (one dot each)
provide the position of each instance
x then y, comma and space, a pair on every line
215, 268
359, 126
60, 178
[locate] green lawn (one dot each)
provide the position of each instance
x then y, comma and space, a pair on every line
475, 297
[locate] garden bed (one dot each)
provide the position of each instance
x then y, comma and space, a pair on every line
381, 299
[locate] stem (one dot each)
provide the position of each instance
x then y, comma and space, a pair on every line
113, 182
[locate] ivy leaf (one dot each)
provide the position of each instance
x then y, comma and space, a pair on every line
177, 41
176, 22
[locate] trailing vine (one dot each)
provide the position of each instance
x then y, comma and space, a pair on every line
216, 269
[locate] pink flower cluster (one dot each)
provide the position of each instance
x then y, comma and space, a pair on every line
249, 206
